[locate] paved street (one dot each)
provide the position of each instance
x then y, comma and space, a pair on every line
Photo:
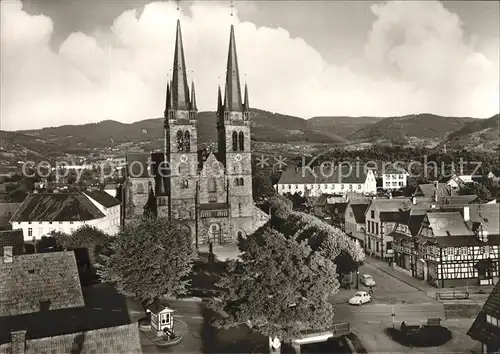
367, 321
390, 294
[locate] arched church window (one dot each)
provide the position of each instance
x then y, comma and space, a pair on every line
235, 141
187, 141
180, 141
241, 182
212, 185
236, 182
140, 189
241, 141
184, 184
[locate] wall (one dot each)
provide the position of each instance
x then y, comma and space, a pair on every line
111, 221
39, 229
135, 198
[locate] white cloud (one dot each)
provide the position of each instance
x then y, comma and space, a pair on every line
416, 60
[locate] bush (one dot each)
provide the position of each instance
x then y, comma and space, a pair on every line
426, 336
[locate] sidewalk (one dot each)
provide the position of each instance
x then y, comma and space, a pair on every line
422, 286
477, 293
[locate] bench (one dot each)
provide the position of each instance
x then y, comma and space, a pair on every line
452, 295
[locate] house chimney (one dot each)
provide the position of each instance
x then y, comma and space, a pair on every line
18, 342
7, 254
466, 213
414, 200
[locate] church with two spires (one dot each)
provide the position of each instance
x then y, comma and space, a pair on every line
208, 192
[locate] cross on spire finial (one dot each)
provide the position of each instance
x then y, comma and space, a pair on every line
231, 6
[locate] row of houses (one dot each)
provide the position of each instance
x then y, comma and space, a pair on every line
355, 179
437, 236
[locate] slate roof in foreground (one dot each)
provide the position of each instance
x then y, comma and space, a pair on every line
121, 339
33, 282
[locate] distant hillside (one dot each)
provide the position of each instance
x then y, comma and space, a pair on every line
341, 126
424, 127
270, 131
148, 134
481, 133
266, 126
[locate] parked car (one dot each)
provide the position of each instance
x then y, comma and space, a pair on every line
367, 280
360, 298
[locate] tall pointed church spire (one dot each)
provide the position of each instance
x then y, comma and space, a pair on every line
246, 104
193, 98
220, 107
232, 101
179, 85
170, 98
167, 103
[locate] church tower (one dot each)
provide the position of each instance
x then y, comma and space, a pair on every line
181, 143
233, 127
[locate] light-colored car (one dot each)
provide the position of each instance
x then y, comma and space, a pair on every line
360, 298
367, 280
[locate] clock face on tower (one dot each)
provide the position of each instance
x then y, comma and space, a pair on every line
184, 158
237, 157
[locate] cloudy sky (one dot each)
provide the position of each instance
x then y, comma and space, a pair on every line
80, 61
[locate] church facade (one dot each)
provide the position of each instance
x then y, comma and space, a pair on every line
208, 192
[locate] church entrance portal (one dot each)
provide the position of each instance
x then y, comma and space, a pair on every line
215, 234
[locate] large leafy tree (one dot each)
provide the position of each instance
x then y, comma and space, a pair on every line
86, 236
478, 189
151, 258
281, 286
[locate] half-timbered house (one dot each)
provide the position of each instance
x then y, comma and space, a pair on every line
404, 233
456, 248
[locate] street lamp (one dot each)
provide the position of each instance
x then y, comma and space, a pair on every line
357, 279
